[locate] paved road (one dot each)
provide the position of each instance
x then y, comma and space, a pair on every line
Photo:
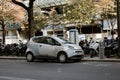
22, 70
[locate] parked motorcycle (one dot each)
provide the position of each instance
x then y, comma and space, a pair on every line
14, 49
22, 48
2, 46
111, 49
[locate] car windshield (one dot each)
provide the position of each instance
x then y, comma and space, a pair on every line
63, 40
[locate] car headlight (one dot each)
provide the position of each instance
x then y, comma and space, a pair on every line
71, 47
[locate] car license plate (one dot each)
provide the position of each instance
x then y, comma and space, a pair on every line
78, 52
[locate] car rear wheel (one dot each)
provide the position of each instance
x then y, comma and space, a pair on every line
62, 57
29, 57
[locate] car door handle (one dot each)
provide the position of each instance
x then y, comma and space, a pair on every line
40, 45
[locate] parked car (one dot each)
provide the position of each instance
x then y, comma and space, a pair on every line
52, 47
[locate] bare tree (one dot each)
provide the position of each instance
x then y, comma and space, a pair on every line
29, 10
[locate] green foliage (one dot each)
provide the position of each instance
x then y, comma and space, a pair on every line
82, 10
40, 20
109, 13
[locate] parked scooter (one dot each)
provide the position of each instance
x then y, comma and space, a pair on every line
111, 49
94, 48
85, 46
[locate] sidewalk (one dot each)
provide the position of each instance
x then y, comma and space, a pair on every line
97, 59
86, 59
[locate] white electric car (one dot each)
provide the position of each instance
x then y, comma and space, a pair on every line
52, 47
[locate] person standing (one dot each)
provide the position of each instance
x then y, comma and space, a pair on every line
39, 33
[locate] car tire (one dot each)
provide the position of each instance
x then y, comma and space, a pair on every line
62, 57
29, 57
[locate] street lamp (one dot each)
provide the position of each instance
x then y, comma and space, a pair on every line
118, 24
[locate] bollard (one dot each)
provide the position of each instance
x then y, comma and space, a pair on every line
101, 50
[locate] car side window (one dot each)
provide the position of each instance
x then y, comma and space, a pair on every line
51, 41
56, 43
35, 40
38, 40
46, 40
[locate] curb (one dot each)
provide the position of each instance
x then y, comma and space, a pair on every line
97, 59
84, 60
100, 60
13, 58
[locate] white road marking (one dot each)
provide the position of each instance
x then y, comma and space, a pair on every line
59, 70
103, 65
85, 63
14, 78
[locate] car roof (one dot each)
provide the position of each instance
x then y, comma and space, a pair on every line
43, 36
54, 37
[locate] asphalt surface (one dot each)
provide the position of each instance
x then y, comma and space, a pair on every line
51, 70
86, 58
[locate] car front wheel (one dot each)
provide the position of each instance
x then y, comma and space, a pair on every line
29, 57
62, 57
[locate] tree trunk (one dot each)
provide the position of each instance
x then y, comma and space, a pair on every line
30, 15
30, 22
3, 29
